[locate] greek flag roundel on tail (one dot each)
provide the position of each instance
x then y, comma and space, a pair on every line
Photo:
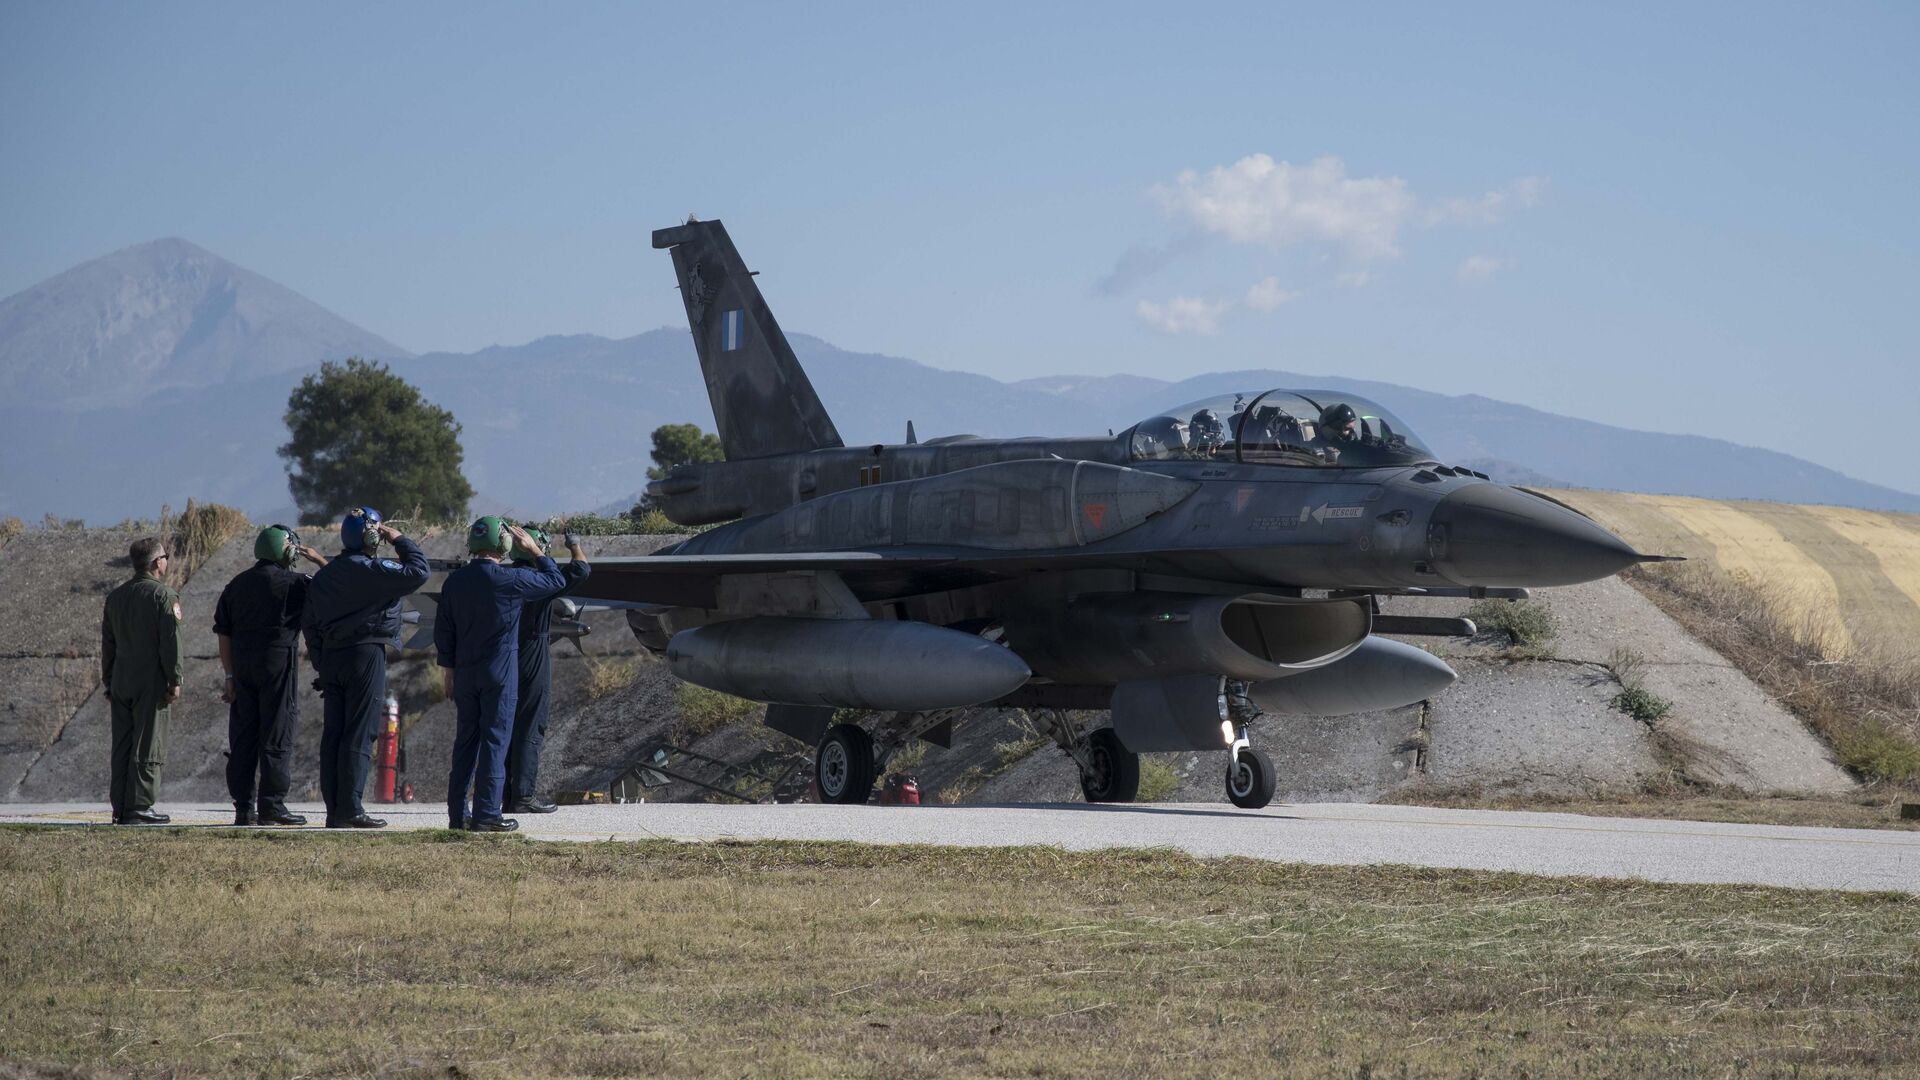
763, 403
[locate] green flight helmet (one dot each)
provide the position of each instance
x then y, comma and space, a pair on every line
488, 536
276, 544
539, 538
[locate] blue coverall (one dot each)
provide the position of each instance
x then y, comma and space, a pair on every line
536, 679
476, 635
352, 614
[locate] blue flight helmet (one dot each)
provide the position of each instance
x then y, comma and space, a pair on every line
358, 531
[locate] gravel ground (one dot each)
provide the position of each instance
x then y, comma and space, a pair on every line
1322, 833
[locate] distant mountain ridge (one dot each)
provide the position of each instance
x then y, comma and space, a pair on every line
164, 315
113, 423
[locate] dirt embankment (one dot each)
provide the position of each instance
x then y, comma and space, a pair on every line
1538, 720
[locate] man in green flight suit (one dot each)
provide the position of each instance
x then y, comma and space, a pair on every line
140, 666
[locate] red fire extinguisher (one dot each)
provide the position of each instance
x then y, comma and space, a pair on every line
386, 753
901, 789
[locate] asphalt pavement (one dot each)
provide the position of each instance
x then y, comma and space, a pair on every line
1334, 834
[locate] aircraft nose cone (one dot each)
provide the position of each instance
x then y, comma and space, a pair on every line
1491, 534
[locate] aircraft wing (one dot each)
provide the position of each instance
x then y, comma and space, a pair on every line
695, 580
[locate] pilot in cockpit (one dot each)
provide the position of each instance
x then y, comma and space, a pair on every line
1206, 434
1339, 424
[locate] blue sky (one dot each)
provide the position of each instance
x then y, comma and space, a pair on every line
1675, 217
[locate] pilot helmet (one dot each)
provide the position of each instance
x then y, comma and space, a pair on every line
276, 544
539, 537
1207, 422
1334, 420
488, 536
359, 530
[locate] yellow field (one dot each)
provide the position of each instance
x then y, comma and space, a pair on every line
1850, 578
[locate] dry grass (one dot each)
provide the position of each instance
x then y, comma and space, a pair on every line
201, 532
1866, 704
1681, 802
704, 711
276, 955
10, 527
1527, 623
1159, 780
610, 674
1854, 573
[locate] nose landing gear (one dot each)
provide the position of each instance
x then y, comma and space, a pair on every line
1250, 780
1250, 777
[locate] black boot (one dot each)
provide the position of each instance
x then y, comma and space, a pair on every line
280, 815
530, 806
242, 814
493, 825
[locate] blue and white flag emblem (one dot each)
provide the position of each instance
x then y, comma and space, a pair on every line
733, 329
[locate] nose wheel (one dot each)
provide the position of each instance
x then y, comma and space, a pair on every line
1250, 780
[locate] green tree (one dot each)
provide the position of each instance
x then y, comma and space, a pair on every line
363, 436
682, 444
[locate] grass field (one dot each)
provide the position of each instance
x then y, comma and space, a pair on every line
445, 955
1851, 577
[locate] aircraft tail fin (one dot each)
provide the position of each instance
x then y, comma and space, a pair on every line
763, 403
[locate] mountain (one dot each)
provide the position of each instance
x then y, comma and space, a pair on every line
164, 315
563, 423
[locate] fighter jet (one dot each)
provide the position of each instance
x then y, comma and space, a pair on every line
1220, 559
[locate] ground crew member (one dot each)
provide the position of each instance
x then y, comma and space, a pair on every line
477, 637
257, 622
140, 667
536, 679
352, 615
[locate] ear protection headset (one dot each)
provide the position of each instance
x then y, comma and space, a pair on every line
488, 536
359, 530
276, 544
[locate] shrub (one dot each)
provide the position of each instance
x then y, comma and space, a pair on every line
704, 711
609, 674
203, 530
1525, 622
10, 528
1158, 779
1878, 752
1642, 706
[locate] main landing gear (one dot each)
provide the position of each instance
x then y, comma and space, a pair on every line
843, 766
1109, 772
849, 758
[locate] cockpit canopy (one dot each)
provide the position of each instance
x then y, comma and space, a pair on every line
1280, 427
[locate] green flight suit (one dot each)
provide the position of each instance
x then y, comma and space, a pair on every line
140, 664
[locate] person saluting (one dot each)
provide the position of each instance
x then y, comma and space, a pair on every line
536, 679
352, 614
257, 622
476, 635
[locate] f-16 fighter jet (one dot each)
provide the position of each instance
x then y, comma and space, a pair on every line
1223, 558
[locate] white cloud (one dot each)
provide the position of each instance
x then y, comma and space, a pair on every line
1183, 315
1266, 295
1478, 268
1258, 200
1353, 279
1488, 208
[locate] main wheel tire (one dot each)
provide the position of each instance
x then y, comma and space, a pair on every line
1116, 770
843, 766
1250, 779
